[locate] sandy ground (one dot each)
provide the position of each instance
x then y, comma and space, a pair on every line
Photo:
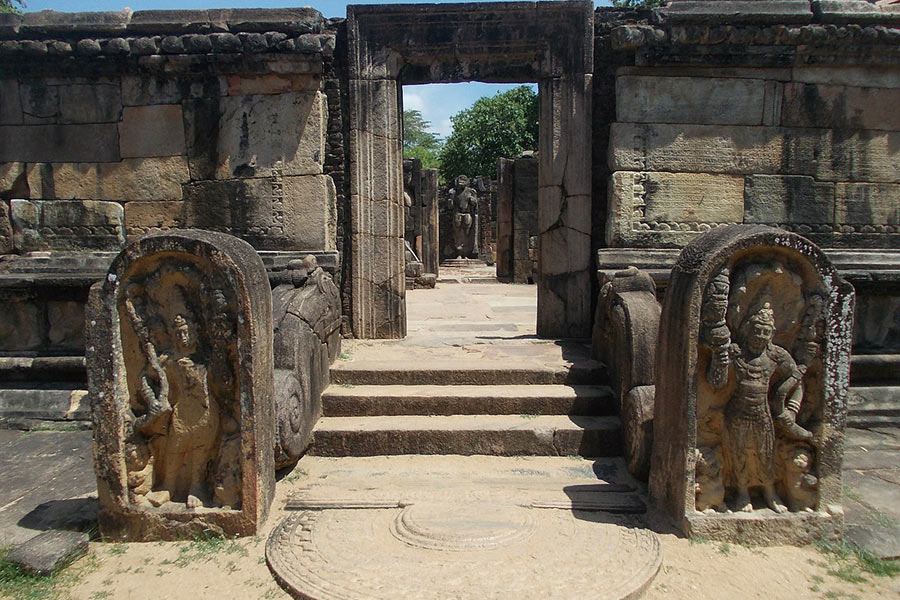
222, 569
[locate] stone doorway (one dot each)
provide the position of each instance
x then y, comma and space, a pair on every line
547, 43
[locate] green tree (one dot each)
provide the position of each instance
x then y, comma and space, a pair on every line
8, 6
502, 125
418, 142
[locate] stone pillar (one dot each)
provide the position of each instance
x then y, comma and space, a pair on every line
505, 196
564, 214
180, 373
428, 192
525, 219
752, 375
376, 209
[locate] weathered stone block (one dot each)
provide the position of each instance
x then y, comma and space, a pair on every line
310, 212
131, 179
752, 379
65, 324
6, 233
865, 204
826, 154
670, 208
726, 101
272, 83
10, 107
49, 551
90, 103
150, 131
841, 107
39, 102
67, 225
149, 217
141, 90
21, 325
59, 143
262, 135
856, 76
180, 373
778, 199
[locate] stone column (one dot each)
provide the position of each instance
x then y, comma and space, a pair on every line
564, 212
376, 209
428, 191
505, 186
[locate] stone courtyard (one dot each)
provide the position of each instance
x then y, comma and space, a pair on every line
571, 522
657, 355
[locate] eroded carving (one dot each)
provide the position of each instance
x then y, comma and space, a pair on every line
183, 441
180, 373
753, 440
463, 201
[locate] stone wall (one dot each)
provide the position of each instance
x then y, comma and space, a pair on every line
113, 125
781, 120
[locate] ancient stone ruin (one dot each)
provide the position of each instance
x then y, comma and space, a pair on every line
180, 377
753, 369
660, 129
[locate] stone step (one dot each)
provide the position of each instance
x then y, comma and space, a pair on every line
25, 406
381, 400
373, 372
874, 406
494, 435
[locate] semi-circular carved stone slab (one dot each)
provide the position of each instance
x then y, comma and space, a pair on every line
434, 551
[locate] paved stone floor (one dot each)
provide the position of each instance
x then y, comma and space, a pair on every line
46, 477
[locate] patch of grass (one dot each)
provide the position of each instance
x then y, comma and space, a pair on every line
19, 584
345, 385
207, 546
100, 595
295, 475
724, 549
850, 563
117, 549
529, 416
344, 356
697, 539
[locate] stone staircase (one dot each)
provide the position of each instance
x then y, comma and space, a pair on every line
490, 407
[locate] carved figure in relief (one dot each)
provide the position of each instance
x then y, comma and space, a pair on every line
800, 486
709, 490
464, 203
177, 435
750, 424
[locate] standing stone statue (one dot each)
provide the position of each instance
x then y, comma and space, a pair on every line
463, 201
180, 376
751, 389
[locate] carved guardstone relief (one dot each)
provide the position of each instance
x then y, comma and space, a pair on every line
754, 350
180, 362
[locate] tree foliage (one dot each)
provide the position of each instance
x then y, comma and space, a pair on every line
418, 142
9, 6
502, 125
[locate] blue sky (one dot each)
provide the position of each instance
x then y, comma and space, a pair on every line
436, 102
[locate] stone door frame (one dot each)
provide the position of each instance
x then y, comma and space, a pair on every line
391, 45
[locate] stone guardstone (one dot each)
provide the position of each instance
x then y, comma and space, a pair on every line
752, 376
179, 353
460, 549
307, 319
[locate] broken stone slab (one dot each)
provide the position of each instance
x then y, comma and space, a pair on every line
752, 380
48, 552
179, 352
67, 225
